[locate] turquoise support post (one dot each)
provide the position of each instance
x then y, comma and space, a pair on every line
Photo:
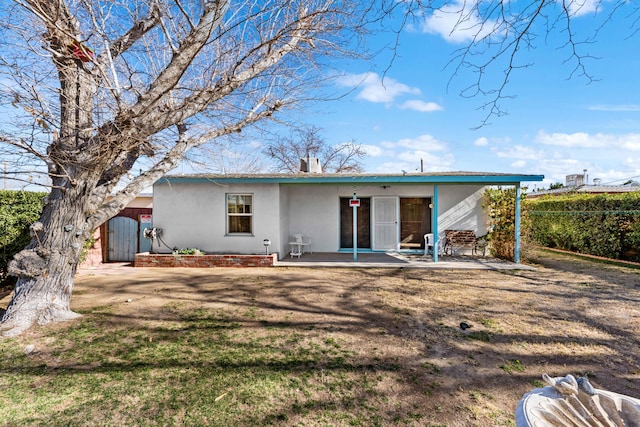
516, 249
355, 228
434, 222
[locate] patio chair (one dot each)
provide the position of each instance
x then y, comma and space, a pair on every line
429, 244
298, 245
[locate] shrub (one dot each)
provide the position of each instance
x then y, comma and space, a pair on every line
18, 210
187, 251
499, 205
606, 225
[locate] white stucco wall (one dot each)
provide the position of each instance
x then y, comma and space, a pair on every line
460, 208
313, 212
283, 231
193, 215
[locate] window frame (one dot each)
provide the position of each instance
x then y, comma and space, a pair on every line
229, 215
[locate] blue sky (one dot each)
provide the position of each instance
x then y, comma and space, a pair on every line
556, 125
559, 123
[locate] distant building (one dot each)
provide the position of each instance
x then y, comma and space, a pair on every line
579, 183
575, 180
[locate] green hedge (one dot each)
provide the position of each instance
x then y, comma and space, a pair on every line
18, 210
606, 225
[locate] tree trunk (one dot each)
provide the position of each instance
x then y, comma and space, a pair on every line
46, 268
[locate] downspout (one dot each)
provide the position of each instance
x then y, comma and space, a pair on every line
434, 223
516, 249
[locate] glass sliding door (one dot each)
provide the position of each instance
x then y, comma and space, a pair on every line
415, 221
346, 223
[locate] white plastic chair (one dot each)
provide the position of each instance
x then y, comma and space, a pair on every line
429, 243
298, 245
306, 243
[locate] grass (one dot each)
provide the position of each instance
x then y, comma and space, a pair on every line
593, 258
318, 347
511, 366
197, 368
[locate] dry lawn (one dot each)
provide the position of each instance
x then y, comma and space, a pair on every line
399, 331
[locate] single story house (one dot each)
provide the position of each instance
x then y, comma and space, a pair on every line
241, 214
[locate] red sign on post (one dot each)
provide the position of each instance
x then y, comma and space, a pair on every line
354, 203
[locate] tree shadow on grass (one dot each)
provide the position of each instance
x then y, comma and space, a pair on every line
404, 352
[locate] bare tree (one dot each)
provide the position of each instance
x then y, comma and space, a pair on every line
286, 152
500, 38
98, 88
234, 155
109, 87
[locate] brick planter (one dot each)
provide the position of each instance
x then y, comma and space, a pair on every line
203, 261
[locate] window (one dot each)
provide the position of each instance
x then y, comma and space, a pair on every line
239, 213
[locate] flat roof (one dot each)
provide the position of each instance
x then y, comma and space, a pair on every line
485, 178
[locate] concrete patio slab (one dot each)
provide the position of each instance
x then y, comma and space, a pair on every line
397, 260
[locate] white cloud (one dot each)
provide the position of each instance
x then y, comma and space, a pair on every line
373, 88
421, 143
520, 152
583, 7
555, 170
629, 141
481, 142
421, 106
428, 159
615, 108
373, 150
255, 144
458, 22
411, 164
408, 153
632, 162
616, 177
519, 164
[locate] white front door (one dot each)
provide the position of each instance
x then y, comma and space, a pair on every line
385, 223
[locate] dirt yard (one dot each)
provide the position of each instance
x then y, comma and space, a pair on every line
569, 316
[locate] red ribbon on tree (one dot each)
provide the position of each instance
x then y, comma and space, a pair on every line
81, 52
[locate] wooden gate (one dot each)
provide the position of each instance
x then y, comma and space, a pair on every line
123, 239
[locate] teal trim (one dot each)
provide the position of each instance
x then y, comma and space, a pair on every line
434, 222
294, 179
516, 249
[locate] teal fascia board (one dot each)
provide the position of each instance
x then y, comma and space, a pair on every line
484, 179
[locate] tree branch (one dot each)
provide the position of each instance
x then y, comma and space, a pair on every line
190, 47
135, 33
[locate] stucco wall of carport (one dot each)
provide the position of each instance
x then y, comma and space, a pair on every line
460, 208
